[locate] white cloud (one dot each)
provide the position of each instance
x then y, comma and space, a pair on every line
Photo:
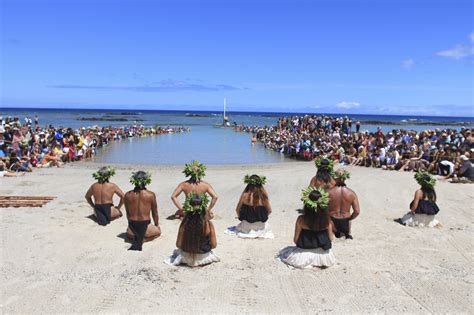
408, 63
459, 51
347, 105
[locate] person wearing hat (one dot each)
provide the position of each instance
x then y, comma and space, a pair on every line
465, 173
469, 139
17, 140
42, 140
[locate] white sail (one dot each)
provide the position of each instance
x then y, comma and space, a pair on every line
224, 118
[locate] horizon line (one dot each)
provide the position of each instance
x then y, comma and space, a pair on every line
231, 111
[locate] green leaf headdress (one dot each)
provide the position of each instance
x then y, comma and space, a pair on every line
321, 203
195, 170
342, 175
328, 164
255, 180
425, 179
188, 208
104, 174
140, 179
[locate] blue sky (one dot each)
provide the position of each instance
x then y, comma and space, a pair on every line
389, 57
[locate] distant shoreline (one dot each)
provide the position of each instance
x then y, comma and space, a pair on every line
230, 112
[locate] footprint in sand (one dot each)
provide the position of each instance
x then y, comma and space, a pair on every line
27, 183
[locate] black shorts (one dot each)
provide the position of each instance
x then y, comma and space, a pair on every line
103, 213
139, 230
342, 226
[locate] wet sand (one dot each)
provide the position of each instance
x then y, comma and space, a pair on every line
55, 259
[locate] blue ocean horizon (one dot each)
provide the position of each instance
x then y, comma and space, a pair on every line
257, 113
361, 117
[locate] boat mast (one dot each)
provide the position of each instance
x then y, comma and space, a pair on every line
224, 118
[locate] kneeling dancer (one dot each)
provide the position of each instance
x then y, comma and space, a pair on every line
253, 210
196, 235
196, 172
423, 208
313, 233
139, 202
103, 192
341, 199
324, 175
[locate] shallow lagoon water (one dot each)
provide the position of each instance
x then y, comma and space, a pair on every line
209, 145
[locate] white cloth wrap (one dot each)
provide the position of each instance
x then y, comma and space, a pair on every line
306, 258
192, 260
251, 230
420, 220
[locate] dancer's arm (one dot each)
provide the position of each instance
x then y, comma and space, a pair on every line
416, 199
154, 210
355, 208
119, 193
297, 229
174, 197
89, 196
239, 204
213, 195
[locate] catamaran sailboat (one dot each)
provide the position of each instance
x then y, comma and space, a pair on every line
225, 119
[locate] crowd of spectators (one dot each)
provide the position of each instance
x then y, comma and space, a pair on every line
25, 146
448, 152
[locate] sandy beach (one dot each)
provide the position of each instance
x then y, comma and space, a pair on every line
55, 259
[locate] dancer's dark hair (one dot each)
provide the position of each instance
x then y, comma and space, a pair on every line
315, 219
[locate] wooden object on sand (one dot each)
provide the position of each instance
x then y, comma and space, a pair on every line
24, 201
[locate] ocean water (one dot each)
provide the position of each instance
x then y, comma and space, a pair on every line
206, 142
209, 145
71, 118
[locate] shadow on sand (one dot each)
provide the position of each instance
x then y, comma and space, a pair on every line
172, 217
123, 236
92, 217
